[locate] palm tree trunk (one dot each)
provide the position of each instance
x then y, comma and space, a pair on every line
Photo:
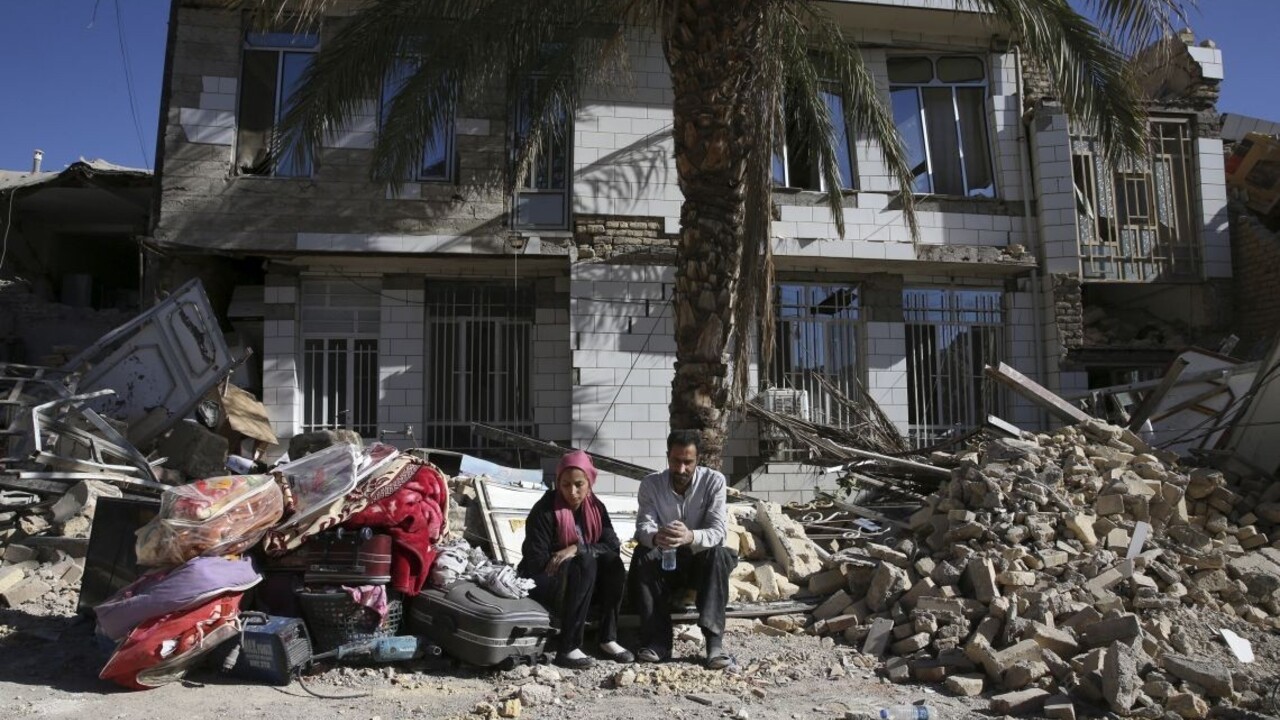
711, 46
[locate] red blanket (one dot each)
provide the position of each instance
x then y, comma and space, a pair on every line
414, 515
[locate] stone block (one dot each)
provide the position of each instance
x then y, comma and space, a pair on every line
833, 606
965, 685
15, 554
1082, 525
25, 591
1120, 682
1061, 642
1208, 674
1060, 707
878, 637
1020, 702
827, 582
982, 576
888, 583
788, 544
911, 644
1105, 632
1109, 505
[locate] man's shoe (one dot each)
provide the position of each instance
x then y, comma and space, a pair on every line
649, 655
719, 662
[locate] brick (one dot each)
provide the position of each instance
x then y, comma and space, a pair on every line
878, 637
1104, 632
965, 685
15, 554
833, 606
10, 576
25, 591
1020, 702
1060, 707
983, 577
1060, 642
911, 644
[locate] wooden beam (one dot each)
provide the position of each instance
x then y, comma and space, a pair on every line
1037, 393
1153, 398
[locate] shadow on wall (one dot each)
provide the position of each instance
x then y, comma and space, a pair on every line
623, 177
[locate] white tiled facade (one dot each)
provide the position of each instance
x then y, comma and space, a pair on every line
602, 351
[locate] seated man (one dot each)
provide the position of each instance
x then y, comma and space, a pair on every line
682, 511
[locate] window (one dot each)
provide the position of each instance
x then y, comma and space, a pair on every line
340, 355
818, 334
479, 362
797, 164
437, 155
1138, 224
273, 66
940, 108
951, 336
542, 201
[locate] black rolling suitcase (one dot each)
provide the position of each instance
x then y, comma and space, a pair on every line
480, 628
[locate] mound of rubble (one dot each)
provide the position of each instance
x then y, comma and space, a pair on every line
1059, 571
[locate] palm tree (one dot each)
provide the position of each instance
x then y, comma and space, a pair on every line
732, 64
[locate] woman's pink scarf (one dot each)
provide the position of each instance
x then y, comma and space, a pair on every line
565, 526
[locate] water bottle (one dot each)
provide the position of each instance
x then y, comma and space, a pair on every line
908, 712
668, 559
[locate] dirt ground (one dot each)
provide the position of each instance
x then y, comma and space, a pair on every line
49, 666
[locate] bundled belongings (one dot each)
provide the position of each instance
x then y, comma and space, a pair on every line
218, 516
161, 651
162, 592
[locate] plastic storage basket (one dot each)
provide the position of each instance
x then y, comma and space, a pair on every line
334, 619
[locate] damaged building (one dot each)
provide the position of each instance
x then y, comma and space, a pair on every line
413, 314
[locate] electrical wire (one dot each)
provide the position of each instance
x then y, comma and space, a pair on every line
128, 83
623, 384
8, 223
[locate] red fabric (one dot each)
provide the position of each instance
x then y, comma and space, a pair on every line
566, 528
161, 650
414, 515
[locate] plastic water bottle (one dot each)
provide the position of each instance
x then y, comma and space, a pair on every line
908, 712
668, 559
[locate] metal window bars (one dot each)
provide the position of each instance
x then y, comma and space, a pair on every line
479, 358
951, 336
1138, 224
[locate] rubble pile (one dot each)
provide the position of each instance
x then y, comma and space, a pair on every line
1055, 569
44, 546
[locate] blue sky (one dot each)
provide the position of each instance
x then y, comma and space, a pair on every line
66, 93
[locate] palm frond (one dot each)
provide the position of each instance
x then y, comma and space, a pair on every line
1088, 70
865, 112
1134, 24
454, 47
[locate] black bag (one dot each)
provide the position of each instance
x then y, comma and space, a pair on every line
480, 628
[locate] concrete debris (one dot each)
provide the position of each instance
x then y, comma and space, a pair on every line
1051, 564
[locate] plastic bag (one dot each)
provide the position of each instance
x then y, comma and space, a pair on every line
317, 481
217, 516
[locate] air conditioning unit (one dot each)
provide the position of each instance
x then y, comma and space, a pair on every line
783, 401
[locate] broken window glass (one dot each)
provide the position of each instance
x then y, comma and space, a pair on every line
817, 332
274, 62
797, 163
940, 108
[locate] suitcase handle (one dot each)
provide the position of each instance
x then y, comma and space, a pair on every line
471, 596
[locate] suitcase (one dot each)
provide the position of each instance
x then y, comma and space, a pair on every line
480, 628
342, 557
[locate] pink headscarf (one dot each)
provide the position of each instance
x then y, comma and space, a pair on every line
565, 526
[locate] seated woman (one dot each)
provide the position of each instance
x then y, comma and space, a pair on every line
572, 553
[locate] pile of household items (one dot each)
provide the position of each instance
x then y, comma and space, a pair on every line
327, 556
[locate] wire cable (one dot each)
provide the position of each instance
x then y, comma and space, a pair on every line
636, 359
128, 83
8, 223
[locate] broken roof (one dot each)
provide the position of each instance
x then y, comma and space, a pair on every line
83, 169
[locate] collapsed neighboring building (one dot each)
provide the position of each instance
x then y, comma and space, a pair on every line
70, 263
547, 311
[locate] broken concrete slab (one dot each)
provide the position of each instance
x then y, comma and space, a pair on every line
1208, 674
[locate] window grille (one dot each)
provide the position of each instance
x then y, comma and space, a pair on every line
340, 355
951, 336
1138, 224
479, 346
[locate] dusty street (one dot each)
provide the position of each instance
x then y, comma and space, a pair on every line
788, 677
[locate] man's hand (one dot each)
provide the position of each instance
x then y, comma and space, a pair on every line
560, 558
674, 534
